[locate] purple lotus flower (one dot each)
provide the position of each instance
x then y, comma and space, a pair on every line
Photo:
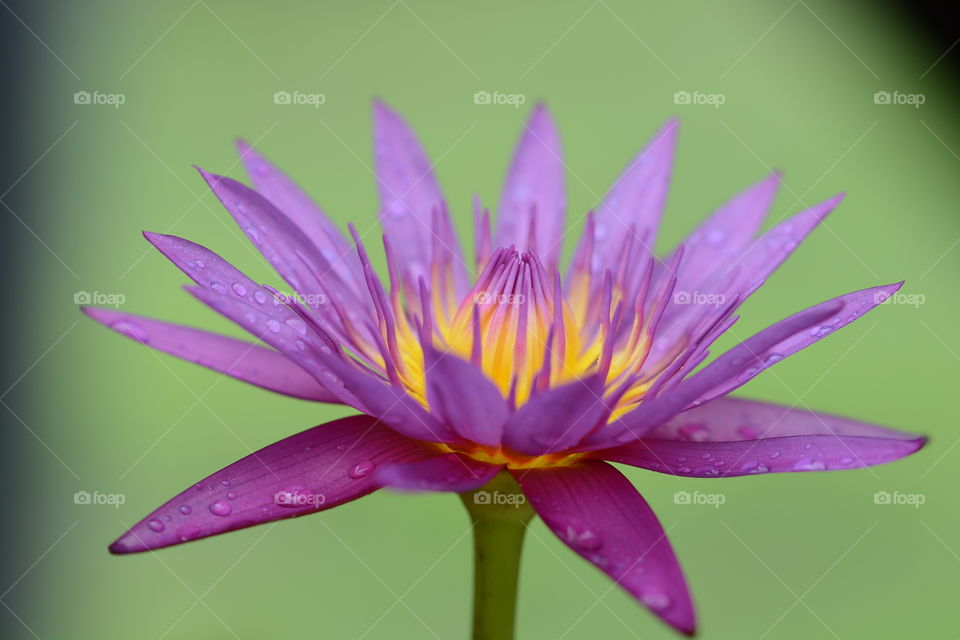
463, 373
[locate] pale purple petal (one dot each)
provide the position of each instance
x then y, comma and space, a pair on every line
634, 204
448, 472
303, 212
751, 353
241, 360
461, 396
596, 512
289, 250
314, 470
409, 192
733, 437
557, 419
533, 196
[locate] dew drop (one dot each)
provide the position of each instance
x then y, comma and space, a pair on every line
578, 535
259, 296
155, 525
185, 509
220, 508
655, 599
274, 325
362, 469
239, 288
231, 495
297, 325
219, 288
809, 464
131, 330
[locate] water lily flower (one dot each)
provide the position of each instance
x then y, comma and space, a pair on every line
502, 380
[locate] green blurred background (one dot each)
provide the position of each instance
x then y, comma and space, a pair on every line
786, 556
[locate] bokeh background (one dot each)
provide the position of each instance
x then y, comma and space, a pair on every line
785, 556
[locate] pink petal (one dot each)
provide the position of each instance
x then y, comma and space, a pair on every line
596, 512
533, 193
448, 472
733, 437
314, 470
241, 360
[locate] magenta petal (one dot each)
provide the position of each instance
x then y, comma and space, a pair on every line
596, 512
733, 437
449, 472
634, 203
314, 470
300, 208
464, 398
533, 194
557, 419
241, 360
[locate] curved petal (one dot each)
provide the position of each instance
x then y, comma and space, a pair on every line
288, 249
303, 212
449, 472
745, 361
314, 470
557, 419
596, 512
461, 396
238, 359
733, 437
533, 204
634, 204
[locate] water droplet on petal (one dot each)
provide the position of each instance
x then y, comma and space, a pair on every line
655, 599
578, 535
220, 508
809, 464
362, 469
259, 296
239, 288
219, 288
188, 532
185, 509
231, 495
274, 325
155, 525
131, 330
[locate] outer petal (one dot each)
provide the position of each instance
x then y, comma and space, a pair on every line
724, 235
733, 437
409, 192
241, 360
288, 249
595, 510
464, 398
744, 361
449, 472
533, 194
557, 419
314, 470
300, 208
635, 201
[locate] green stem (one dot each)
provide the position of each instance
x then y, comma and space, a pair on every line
500, 514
